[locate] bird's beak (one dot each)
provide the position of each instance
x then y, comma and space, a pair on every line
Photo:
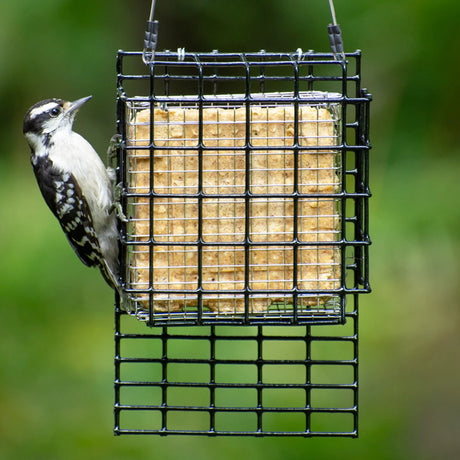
74, 106
71, 109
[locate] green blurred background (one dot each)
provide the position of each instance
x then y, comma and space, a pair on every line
56, 326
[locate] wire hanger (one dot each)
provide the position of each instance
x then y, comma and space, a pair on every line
335, 35
151, 36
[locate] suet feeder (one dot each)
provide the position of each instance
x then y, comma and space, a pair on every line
245, 185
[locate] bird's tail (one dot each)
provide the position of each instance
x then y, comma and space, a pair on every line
112, 278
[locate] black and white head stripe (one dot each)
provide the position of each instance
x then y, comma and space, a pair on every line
41, 112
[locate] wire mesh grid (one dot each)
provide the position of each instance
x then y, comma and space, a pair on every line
237, 380
245, 184
246, 204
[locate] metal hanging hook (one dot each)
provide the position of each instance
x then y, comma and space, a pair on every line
151, 37
335, 35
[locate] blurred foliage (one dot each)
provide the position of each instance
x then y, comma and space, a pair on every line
56, 329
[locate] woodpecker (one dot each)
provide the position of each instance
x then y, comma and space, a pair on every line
75, 184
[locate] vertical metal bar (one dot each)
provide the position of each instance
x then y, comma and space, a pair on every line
200, 190
359, 185
310, 77
262, 74
151, 320
295, 195
308, 378
362, 181
212, 380
364, 140
121, 178
215, 78
121, 171
260, 382
117, 362
164, 379
367, 191
356, 364
344, 150
166, 79
247, 189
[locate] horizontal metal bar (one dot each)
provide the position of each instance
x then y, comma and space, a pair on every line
309, 56
247, 409
242, 196
250, 243
253, 96
250, 386
236, 338
223, 362
256, 433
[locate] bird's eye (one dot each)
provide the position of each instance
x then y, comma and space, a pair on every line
55, 112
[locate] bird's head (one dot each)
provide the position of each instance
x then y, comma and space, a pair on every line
46, 117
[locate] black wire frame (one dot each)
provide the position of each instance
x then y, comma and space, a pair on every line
240, 75
237, 380
290, 376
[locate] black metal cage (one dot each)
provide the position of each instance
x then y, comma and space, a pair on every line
237, 380
245, 184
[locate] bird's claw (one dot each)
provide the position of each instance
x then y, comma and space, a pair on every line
114, 144
116, 206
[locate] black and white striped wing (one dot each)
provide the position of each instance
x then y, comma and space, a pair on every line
64, 197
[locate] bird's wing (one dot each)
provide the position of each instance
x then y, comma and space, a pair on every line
64, 197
